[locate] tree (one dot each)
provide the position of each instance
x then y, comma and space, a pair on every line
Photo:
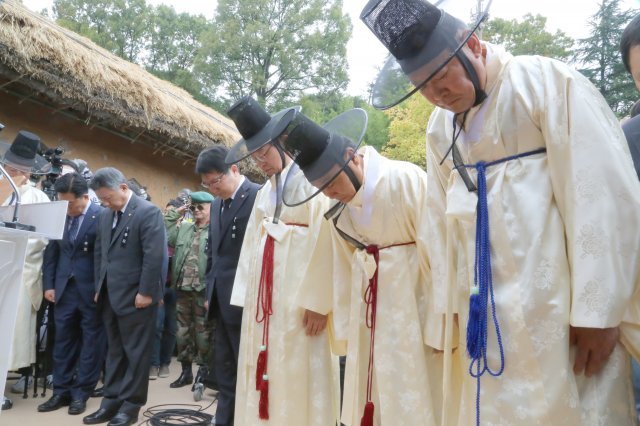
600, 58
277, 50
322, 108
173, 45
528, 37
119, 26
407, 129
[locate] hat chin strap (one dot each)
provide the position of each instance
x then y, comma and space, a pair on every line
481, 95
276, 214
352, 177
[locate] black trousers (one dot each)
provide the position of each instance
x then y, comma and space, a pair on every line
130, 339
227, 346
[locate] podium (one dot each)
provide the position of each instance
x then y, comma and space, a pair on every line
48, 220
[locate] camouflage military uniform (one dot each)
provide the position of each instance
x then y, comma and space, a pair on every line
188, 271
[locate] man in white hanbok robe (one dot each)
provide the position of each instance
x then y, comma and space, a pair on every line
303, 381
563, 209
562, 247
384, 216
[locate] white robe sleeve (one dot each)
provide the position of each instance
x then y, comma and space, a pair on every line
588, 155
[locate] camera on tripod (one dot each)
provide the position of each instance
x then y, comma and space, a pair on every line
54, 157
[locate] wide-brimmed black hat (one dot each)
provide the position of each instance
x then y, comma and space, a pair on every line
256, 126
421, 38
319, 151
22, 154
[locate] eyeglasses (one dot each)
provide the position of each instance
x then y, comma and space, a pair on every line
262, 156
213, 182
193, 207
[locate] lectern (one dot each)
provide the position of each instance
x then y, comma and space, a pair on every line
41, 220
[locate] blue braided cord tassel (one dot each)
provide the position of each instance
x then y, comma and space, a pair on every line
480, 294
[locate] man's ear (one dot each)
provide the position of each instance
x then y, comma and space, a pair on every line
348, 153
475, 45
234, 169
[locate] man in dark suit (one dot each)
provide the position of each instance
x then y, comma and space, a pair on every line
68, 281
129, 252
230, 212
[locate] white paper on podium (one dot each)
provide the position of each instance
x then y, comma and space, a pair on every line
48, 218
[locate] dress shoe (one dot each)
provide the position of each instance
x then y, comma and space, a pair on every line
55, 402
97, 393
77, 406
101, 416
6, 403
186, 378
123, 419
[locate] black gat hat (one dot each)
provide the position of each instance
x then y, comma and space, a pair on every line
421, 38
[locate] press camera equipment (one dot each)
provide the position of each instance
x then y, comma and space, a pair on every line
54, 157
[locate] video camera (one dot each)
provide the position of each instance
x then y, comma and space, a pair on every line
54, 157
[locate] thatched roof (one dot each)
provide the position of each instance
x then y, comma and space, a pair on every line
43, 61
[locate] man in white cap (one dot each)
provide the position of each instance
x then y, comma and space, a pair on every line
21, 160
286, 372
528, 240
379, 269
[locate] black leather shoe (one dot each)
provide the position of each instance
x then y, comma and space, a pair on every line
185, 379
97, 393
77, 406
123, 419
101, 416
55, 402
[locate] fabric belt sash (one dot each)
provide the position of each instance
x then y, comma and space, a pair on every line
371, 299
264, 310
482, 291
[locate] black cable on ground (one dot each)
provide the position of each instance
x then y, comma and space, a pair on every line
159, 415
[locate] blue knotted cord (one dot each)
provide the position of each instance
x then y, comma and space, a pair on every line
483, 285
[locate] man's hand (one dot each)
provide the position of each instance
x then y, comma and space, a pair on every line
313, 322
143, 301
50, 295
206, 304
594, 346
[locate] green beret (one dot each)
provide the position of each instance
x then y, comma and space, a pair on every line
201, 197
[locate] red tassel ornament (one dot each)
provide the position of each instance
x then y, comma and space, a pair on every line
367, 417
263, 407
261, 366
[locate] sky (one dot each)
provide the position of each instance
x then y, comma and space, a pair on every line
365, 53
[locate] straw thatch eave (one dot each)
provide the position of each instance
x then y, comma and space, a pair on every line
69, 73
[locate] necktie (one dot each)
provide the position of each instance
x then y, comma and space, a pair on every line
113, 230
73, 228
226, 204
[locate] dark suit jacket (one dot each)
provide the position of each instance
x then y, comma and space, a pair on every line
223, 251
632, 132
130, 261
63, 259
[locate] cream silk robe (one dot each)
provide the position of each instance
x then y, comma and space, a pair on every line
23, 349
303, 374
389, 209
564, 232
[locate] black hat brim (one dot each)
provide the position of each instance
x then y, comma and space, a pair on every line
274, 128
347, 130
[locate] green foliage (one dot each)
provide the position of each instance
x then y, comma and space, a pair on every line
119, 26
528, 37
600, 59
322, 108
407, 130
276, 50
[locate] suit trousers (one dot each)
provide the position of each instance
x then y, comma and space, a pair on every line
227, 347
130, 338
79, 345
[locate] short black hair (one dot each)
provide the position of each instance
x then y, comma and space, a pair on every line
212, 160
635, 110
174, 202
71, 183
630, 37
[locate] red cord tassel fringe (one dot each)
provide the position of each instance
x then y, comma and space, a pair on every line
263, 407
367, 417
